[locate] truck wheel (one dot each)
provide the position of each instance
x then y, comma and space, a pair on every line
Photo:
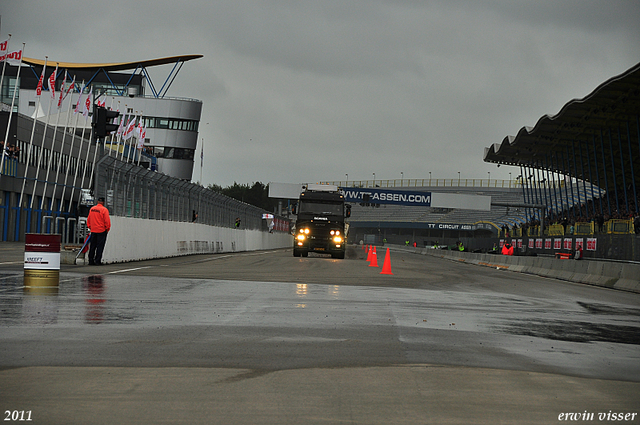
296, 253
339, 255
305, 253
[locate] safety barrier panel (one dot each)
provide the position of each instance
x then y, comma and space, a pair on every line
619, 227
584, 229
556, 230
622, 276
533, 231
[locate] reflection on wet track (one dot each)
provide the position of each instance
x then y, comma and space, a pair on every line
116, 319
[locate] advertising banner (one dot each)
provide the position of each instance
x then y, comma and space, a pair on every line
41, 260
386, 196
416, 198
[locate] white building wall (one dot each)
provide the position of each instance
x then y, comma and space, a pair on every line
134, 239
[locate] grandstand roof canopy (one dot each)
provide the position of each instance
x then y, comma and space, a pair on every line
106, 68
116, 66
611, 107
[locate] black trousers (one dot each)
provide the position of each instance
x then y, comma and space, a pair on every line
98, 241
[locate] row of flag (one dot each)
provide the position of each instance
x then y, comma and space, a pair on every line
128, 126
13, 58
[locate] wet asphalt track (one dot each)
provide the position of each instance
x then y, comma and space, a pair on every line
247, 316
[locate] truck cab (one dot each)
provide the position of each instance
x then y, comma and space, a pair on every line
320, 225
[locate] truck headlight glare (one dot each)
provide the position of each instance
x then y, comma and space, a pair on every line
301, 237
337, 239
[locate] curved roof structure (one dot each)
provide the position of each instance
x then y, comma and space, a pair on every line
116, 66
595, 139
110, 69
611, 106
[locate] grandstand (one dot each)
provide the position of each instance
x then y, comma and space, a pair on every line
426, 224
423, 215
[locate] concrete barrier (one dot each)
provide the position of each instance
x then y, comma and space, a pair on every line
134, 239
609, 274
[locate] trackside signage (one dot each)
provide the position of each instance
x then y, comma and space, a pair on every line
417, 199
41, 260
386, 196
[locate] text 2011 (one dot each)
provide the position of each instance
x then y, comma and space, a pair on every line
17, 415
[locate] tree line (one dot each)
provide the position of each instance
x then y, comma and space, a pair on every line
256, 194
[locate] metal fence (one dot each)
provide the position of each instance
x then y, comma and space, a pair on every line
133, 191
428, 182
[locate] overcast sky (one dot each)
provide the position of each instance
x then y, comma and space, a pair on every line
304, 91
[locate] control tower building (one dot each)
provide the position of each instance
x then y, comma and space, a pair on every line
171, 122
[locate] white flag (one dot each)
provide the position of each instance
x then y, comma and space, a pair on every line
128, 132
87, 103
122, 125
142, 134
62, 89
40, 81
12, 58
71, 87
52, 82
79, 102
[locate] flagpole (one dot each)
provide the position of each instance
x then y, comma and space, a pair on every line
122, 138
111, 135
33, 128
95, 154
4, 65
121, 127
140, 144
130, 140
44, 134
129, 136
53, 148
201, 160
13, 101
73, 142
64, 137
86, 158
116, 135
126, 138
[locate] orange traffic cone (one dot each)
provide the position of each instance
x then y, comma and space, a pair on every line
374, 258
386, 267
368, 253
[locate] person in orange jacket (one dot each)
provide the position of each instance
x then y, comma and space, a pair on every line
99, 224
507, 249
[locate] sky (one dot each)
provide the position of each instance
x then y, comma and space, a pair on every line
299, 91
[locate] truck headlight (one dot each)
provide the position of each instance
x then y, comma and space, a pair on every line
337, 239
301, 237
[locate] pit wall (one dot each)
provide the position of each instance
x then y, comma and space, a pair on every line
134, 239
609, 274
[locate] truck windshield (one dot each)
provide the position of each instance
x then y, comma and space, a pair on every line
321, 208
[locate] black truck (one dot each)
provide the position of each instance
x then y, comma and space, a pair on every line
320, 225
